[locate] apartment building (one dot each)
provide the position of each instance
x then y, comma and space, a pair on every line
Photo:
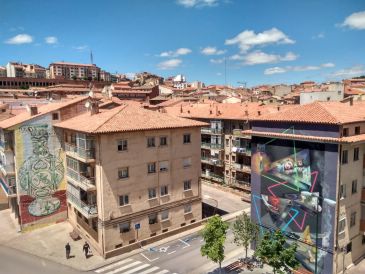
308, 166
14, 69
132, 175
225, 150
32, 163
2, 71
74, 71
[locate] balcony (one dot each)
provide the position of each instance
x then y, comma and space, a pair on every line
10, 191
211, 161
93, 233
7, 169
213, 177
241, 150
242, 184
208, 130
80, 180
243, 168
82, 154
88, 210
238, 133
4, 145
212, 146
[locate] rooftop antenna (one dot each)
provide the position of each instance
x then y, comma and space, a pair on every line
91, 57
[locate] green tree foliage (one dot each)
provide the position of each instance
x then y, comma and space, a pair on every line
214, 234
244, 231
274, 251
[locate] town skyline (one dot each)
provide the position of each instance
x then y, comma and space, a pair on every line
274, 47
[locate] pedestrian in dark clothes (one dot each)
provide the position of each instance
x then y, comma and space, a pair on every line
86, 249
68, 250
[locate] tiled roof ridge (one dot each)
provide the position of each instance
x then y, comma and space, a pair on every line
117, 112
323, 105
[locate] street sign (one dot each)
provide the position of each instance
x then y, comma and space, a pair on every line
137, 226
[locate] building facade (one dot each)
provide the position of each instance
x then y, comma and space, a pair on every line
74, 71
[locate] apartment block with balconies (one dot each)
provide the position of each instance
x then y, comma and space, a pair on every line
131, 178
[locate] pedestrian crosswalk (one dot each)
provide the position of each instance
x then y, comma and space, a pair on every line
130, 266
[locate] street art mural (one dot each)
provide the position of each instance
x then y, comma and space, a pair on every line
40, 175
294, 189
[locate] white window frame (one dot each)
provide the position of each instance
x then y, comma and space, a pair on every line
123, 170
188, 208
164, 190
187, 162
124, 144
163, 166
150, 170
125, 198
189, 141
188, 184
164, 215
151, 144
150, 191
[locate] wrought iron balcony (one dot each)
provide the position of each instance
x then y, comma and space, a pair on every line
88, 210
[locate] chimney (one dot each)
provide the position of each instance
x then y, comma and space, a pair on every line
259, 112
278, 108
93, 107
351, 101
181, 109
33, 110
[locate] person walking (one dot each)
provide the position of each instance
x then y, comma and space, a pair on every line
86, 249
68, 250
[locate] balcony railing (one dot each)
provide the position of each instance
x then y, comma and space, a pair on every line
238, 133
241, 150
84, 182
213, 177
87, 154
211, 161
243, 168
209, 130
212, 146
4, 145
7, 169
242, 183
89, 211
10, 190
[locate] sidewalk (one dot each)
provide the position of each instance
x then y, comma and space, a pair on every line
49, 243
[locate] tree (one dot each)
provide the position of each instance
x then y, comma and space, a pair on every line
244, 231
214, 234
274, 251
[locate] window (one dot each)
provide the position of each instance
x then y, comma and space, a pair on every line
123, 200
163, 141
186, 162
344, 157
349, 247
152, 168
357, 130
152, 193
164, 190
343, 191
55, 116
227, 157
227, 142
124, 227
187, 139
123, 173
356, 153
187, 185
151, 142
187, 208
353, 219
122, 145
341, 225
152, 219
354, 187
164, 215
164, 166
345, 132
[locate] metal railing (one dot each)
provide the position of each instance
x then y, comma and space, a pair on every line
241, 150
81, 152
211, 161
244, 168
212, 145
78, 177
213, 177
87, 210
211, 130
238, 133
10, 190
7, 169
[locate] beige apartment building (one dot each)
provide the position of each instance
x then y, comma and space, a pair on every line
14, 69
74, 71
132, 175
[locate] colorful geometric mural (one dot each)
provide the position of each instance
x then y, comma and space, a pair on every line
40, 174
295, 187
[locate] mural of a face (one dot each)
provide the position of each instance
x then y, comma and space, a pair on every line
41, 173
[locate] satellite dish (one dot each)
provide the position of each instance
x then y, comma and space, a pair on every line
87, 104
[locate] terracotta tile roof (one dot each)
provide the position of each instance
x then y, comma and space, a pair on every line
129, 117
349, 139
44, 109
320, 113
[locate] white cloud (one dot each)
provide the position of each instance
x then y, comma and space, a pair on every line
20, 39
249, 39
258, 57
212, 51
348, 72
176, 53
51, 40
81, 48
276, 70
355, 21
197, 3
217, 61
169, 64
318, 36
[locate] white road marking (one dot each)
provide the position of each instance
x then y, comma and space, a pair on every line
186, 244
171, 252
118, 270
162, 272
148, 259
136, 269
149, 270
112, 265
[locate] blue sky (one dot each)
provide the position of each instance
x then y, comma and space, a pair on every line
263, 41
